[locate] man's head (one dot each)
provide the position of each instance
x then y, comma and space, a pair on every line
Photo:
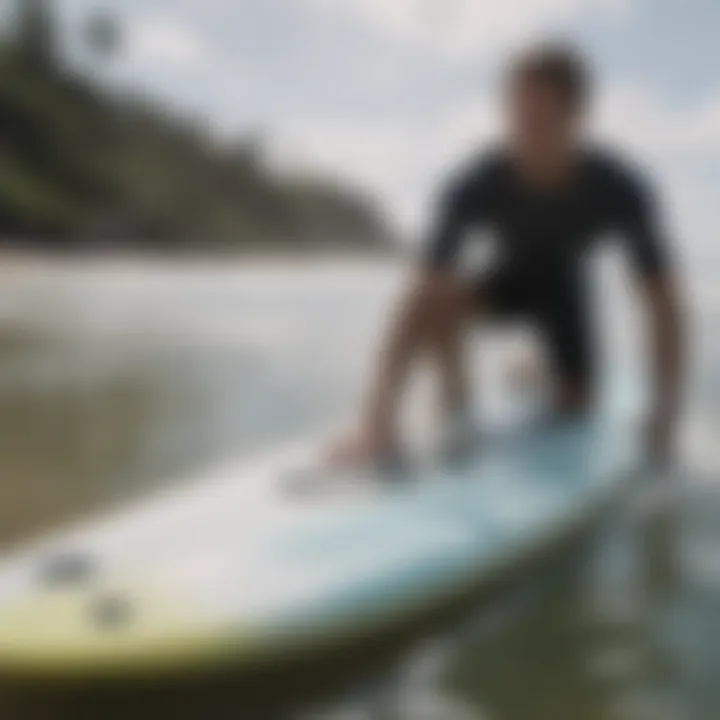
548, 92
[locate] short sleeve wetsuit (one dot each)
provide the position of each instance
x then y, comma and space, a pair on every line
543, 238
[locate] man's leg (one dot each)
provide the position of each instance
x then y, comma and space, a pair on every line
569, 326
565, 319
500, 295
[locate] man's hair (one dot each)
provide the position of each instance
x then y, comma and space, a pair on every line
560, 66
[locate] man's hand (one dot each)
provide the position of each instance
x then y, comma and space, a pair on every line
369, 444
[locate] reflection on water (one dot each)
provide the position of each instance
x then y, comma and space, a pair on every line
116, 381
625, 630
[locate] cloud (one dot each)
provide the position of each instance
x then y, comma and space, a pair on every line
399, 161
469, 28
658, 126
161, 40
681, 143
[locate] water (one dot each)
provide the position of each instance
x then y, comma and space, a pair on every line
117, 379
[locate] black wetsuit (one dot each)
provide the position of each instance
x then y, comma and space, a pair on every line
543, 238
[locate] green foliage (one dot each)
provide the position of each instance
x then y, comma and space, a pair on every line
81, 168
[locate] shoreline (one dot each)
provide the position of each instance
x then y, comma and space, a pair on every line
12, 259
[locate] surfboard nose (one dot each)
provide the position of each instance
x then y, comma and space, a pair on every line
91, 632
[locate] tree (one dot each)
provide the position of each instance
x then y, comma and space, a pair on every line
103, 35
36, 31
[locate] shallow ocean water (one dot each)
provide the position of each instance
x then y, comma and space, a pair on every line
117, 378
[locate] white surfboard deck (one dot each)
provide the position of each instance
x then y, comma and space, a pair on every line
236, 566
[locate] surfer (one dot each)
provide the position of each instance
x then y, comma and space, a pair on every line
546, 197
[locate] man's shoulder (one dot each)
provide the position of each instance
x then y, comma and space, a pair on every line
615, 172
484, 171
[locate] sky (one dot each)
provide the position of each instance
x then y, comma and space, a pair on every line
391, 95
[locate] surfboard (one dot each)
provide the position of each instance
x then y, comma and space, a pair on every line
236, 568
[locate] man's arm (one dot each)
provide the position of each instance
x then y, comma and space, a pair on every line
668, 357
654, 265
407, 334
401, 347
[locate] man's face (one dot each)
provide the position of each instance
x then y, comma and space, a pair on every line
540, 118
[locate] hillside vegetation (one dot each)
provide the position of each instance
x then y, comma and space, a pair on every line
81, 167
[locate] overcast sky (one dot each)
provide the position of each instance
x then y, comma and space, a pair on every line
391, 93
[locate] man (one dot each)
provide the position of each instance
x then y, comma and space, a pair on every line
548, 198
